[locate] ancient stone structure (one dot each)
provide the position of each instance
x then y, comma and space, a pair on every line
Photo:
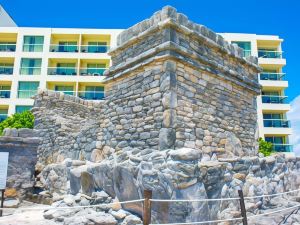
179, 119
22, 148
173, 84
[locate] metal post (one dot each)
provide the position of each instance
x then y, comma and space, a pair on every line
2, 201
243, 208
147, 207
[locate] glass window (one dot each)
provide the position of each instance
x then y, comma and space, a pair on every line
33, 43
6, 68
27, 89
272, 116
96, 46
31, 66
7, 46
22, 108
271, 93
244, 45
66, 69
65, 89
67, 46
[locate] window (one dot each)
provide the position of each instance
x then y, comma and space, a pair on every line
3, 114
31, 66
27, 89
67, 46
4, 91
275, 140
271, 93
22, 108
65, 89
95, 69
274, 116
97, 47
6, 68
66, 69
33, 43
244, 45
92, 93
7, 46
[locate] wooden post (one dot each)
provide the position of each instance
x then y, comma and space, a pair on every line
147, 207
243, 208
2, 202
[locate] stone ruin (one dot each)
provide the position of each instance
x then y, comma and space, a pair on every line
179, 118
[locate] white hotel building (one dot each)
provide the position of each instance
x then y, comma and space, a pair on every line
73, 61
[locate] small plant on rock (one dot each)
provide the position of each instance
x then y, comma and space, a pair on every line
18, 120
265, 147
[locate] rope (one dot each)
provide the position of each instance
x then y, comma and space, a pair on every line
271, 195
276, 211
194, 200
73, 207
203, 222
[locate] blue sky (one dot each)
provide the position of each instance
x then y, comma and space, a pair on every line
277, 17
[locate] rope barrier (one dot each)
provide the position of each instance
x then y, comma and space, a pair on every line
194, 200
271, 195
73, 207
203, 222
276, 211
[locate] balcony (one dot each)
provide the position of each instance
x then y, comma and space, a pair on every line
94, 48
68, 92
33, 47
282, 147
26, 93
272, 76
277, 123
64, 71
63, 48
92, 71
30, 70
91, 95
3, 117
7, 47
4, 93
6, 70
269, 54
274, 99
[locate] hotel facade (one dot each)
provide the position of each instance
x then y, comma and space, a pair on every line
73, 61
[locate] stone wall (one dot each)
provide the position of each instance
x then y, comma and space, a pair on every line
67, 126
22, 148
172, 84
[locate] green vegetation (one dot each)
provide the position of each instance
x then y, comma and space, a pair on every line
18, 120
265, 147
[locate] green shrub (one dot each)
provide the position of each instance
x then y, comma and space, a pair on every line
18, 120
265, 147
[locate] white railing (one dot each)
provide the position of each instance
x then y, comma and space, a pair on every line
269, 54
92, 71
66, 71
30, 70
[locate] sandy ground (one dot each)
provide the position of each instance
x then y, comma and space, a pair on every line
32, 217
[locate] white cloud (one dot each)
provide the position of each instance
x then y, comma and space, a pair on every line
294, 117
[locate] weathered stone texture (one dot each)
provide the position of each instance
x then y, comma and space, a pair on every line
22, 147
67, 126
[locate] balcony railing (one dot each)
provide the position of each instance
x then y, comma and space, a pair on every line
274, 99
282, 147
277, 123
92, 71
272, 76
4, 93
30, 70
65, 71
6, 70
91, 95
3, 117
26, 93
63, 48
7, 47
33, 47
246, 53
94, 48
68, 92
269, 54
